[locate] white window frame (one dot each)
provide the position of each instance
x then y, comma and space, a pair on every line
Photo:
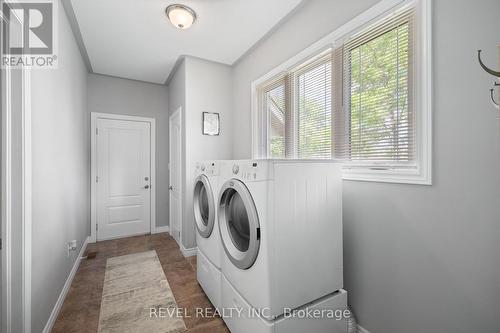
422, 173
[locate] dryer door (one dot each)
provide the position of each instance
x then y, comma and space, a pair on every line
204, 206
239, 224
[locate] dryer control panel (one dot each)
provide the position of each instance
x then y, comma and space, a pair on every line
251, 170
209, 168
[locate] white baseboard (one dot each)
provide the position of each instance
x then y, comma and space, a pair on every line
361, 329
159, 230
64, 291
191, 252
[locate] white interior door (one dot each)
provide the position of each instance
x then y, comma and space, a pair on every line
175, 165
123, 178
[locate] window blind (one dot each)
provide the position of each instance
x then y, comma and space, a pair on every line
274, 102
313, 109
354, 102
376, 120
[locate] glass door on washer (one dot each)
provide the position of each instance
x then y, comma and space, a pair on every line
204, 206
239, 224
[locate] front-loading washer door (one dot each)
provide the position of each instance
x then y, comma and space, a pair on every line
239, 224
204, 206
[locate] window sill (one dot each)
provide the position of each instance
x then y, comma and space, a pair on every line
400, 176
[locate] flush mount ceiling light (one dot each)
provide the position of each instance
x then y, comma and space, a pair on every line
181, 16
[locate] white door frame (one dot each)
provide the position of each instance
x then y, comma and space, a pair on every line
8, 131
177, 112
27, 199
6, 203
93, 170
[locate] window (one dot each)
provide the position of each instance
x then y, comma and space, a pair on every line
297, 111
355, 101
379, 101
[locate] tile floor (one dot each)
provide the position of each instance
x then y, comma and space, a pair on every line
80, 311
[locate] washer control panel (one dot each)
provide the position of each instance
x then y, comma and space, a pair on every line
236, 169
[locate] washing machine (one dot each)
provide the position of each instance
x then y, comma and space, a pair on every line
280, 224
205, 195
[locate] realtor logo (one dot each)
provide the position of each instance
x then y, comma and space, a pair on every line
29, 36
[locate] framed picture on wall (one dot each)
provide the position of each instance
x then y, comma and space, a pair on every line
211, 123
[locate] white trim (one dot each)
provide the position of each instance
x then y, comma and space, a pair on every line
159, 230
93, 170
361, 329
153, 183
121, 237
93, 175
178, 112
191, 252
65, 289
26, 195
423, 71
96, 115
6, 203
26, 199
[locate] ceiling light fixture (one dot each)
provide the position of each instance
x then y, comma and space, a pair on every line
181, 16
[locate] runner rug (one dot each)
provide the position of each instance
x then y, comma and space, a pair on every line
135, 289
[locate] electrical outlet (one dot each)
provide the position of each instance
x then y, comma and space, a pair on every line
71, 246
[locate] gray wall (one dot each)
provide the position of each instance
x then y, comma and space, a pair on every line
200, 86
208, 89
417, 258
120, 96
61, 172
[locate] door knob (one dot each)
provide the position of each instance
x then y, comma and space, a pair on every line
171, 188
146, 186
